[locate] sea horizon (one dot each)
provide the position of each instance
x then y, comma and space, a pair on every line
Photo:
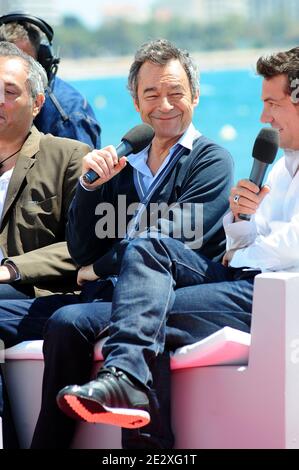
117, 66
228, 112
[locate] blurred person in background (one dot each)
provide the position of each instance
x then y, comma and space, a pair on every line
65, 112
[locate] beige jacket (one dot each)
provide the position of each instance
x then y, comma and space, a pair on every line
32, 231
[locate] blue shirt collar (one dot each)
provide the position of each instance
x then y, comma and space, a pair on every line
138, 160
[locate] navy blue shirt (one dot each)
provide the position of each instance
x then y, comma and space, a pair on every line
202, 176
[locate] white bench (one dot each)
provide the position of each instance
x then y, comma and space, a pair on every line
220, 399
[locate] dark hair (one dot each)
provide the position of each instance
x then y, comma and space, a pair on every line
161, 51
286, 63
13, 32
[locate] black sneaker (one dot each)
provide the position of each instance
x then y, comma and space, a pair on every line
111, 399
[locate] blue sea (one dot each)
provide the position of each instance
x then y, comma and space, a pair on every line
228, 111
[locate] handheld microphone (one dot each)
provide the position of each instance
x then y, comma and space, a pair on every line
264, 152
133, 141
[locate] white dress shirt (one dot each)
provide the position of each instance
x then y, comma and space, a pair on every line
270, 240
4, 182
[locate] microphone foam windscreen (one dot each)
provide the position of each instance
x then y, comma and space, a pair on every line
139, 137
266, 145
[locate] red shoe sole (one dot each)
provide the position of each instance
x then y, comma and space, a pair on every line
124, 418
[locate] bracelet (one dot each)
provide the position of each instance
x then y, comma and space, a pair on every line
13, 271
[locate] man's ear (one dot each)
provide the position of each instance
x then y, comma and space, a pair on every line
136, 105
38, 103
196, 99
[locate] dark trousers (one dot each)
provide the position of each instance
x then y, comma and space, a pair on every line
68, 356
10, 439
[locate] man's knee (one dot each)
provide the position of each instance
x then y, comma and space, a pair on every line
78, 323
67, 346
152, 244
64, 323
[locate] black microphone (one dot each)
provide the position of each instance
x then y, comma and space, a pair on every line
133, 141
264, 152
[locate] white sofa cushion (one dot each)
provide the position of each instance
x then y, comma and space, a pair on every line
26, 350
226, 346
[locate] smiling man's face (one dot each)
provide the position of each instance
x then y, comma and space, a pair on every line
164, 98
17, 107
280, 111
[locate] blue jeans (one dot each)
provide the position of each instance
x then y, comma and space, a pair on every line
10, 291
152, 274
166, 297
16, 291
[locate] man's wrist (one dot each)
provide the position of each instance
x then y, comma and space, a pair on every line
13, 270
86, 186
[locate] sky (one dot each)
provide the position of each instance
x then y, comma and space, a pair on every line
89, 11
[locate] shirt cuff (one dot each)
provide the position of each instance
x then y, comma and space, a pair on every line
85, 187
13, 270
238, 234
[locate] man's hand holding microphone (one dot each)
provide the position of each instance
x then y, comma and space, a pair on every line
105, 163
99, 166
245, 198
247, 195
